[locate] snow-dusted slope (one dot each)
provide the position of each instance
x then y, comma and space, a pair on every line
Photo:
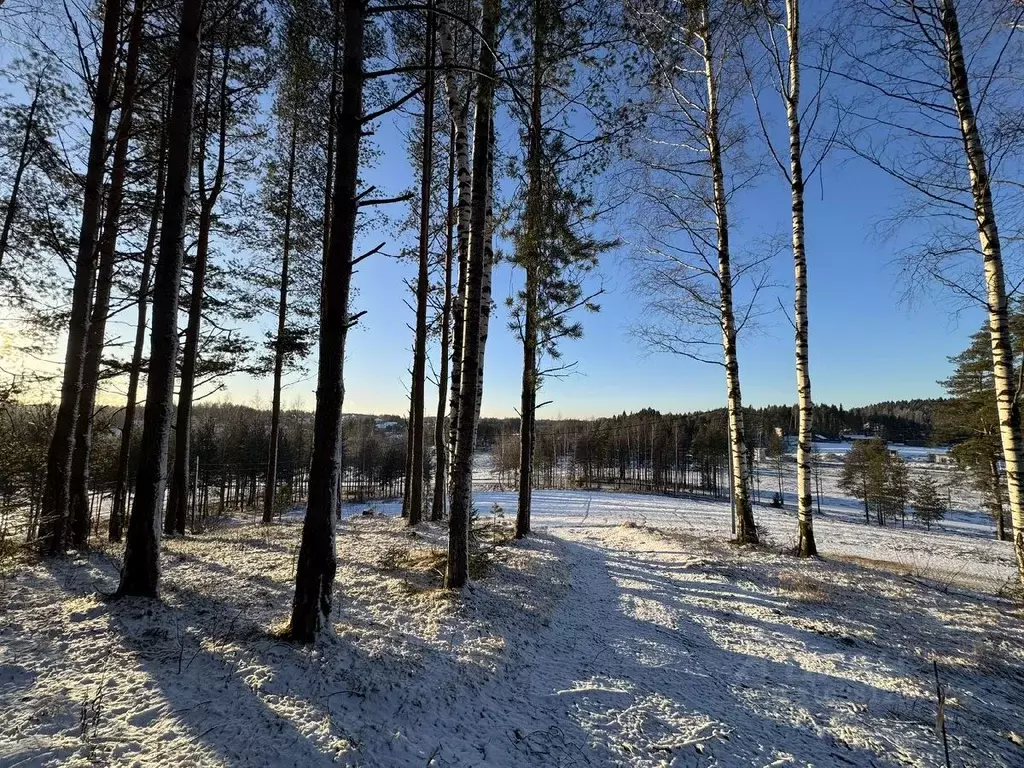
594, 643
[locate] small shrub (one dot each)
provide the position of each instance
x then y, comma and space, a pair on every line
776, 500
283, 500
394, 558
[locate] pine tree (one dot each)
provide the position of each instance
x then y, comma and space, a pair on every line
897, 487
970, 420
294, 226
929, 505
860, 475
107, 258
140, 574
553, 246
236, 71
54, 524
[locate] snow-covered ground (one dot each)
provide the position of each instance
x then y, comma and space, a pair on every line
626, 632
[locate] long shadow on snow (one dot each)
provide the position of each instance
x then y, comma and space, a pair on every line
209, 697
686, 666
212, 625
903, 631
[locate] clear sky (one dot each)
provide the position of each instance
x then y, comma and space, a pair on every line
866, 344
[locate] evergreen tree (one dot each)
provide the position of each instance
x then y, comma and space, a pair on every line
896, 489
929, 505
294, 218
970, 420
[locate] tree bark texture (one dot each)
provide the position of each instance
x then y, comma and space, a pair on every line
53, 524
316, 566
528, 399
177, 504
995, 282
457, 572
419, 367
140, 574
458, 107
806, 546
79, 484
746, 531
440, 451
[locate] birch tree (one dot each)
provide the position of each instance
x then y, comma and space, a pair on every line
455, 50
457, 569
781, 38
938, 102
688, 270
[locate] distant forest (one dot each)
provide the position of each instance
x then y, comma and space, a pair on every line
897, 421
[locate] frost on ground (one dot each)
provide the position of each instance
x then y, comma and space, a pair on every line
627, 632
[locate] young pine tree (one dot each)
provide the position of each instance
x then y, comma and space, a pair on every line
928, 502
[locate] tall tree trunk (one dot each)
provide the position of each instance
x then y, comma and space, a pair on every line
419, 367
528, 399
117, 507
79, 483
270, 490
440, 453
806, 546
332, 127
988, 234
746, 531
25, 154
314, 575
140, 574
177, 504
457, 572
55, 511
486, 289
458, 107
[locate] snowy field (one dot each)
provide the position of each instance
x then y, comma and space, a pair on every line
908, 452
627, 632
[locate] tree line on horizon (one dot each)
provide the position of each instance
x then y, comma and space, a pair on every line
220, 175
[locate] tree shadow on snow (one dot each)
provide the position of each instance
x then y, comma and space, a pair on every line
214, 684
706, 644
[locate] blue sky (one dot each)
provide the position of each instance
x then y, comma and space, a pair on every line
866, 344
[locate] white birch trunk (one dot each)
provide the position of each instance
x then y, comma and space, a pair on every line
988, 235
746, 531
806, 546
458, 106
